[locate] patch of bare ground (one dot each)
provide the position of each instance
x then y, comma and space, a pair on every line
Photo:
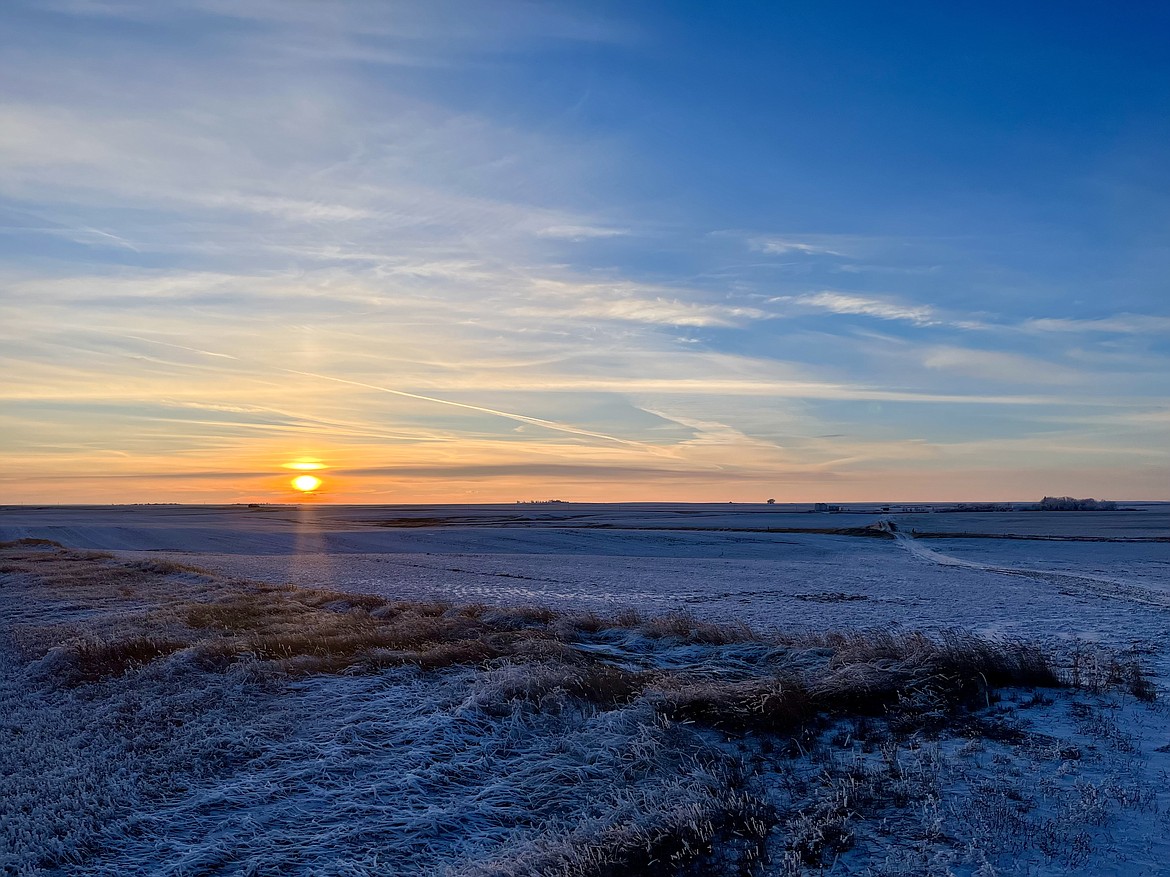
744, 753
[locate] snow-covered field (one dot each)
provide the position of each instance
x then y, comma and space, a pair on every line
714, 561
403, 772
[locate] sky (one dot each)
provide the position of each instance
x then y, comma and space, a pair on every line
487, 252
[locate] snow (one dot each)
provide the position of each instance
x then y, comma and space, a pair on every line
408, 772
605, 557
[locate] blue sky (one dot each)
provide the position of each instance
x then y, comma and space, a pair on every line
474, 252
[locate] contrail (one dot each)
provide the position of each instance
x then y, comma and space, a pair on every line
519, 418
120, 241
177, 346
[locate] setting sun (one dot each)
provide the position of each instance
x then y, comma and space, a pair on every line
306, 483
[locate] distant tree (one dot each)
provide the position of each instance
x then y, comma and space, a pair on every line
771, 502
1072, 504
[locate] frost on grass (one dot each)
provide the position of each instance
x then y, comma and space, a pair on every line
156, 719
77, 761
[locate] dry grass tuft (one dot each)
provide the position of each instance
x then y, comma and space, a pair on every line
317, 630
627, 618
96, 574
769, 703
691, 630
89, 660
726, 835
165, 567
324, 631
313, 630
30, 543
868, 669
578, 623
518, 617
1097, 670
606, 685
912, 679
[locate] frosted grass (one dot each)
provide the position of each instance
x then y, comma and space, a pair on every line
402, 773
656, 747
76, 762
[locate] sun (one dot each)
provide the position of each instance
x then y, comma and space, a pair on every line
306, 483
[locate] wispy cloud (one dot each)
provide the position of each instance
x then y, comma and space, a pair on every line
1002, 367
1119, 324
632, 303
545, 470
371, 31
882, 309
782, 246
580, 232
276, 233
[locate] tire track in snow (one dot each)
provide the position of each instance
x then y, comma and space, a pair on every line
1110, 589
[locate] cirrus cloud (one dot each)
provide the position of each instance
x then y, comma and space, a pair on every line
882, 309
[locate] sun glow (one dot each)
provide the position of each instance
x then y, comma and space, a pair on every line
306, 483
305, 464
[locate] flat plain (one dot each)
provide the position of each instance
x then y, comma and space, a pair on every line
768, 566
412, 764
